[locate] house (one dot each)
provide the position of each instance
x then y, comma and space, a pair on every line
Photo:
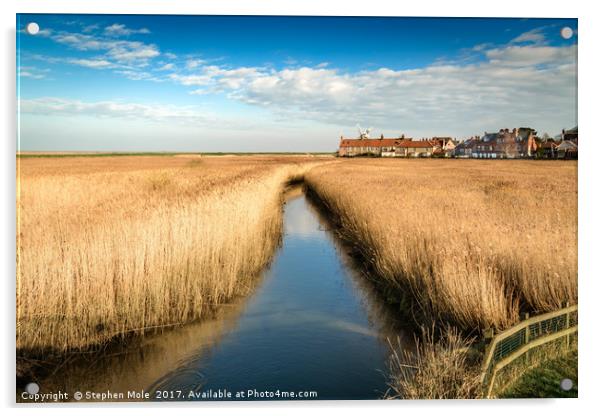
416, 148
382, 147
360, 147
570, 134
567, 149
464, 149
547, 150
444, 146
509, 144
519, 142
527, 141
484, 149
385, 147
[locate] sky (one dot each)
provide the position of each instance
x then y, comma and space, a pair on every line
278, 83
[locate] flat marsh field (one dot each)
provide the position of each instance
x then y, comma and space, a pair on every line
109, 246
473, 242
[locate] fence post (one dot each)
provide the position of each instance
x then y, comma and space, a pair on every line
489, 333
488, 336
525, 316
527, 334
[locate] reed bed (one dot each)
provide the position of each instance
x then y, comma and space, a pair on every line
473, 243
108, 247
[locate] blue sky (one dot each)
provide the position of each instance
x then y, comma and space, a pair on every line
242, 83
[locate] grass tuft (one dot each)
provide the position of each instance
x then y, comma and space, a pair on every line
439, 368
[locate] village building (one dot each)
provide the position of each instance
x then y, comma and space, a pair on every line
369, 147
506, 144
444, 146
570, 134
464, 149
417, 148
567, 149
460, 150
386, 147
484, 150
519, 142
547, 150
526, 138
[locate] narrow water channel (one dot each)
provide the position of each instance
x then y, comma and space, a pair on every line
313, 324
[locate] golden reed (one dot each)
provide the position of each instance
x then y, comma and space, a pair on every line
109, 246
112, 246
474, 242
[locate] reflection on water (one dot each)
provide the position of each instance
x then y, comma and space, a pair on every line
144, 360
314, 324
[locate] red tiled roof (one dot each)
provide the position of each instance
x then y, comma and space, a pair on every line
407, 143
418, 143
371, 142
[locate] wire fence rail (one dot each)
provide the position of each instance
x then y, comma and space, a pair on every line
517, 341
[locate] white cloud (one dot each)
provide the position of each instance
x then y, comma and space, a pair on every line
194, 63
516, 85
90, 28
532, 36
219, 78
481, 47
92, 63
30, 74
43, 32
116, 109
120, 51
532, 55
525, 82
136, 75
133, 52
33, 72
117, 29
166, 67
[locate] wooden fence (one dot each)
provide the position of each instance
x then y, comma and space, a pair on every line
515, 342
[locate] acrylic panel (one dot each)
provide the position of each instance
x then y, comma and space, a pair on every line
218, 208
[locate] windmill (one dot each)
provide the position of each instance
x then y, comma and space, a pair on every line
364, 134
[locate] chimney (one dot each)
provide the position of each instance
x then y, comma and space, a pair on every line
382, 136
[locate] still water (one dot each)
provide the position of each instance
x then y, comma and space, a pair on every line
313, 324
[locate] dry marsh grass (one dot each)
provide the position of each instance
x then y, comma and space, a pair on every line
438, 369
474, 242
111, 246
